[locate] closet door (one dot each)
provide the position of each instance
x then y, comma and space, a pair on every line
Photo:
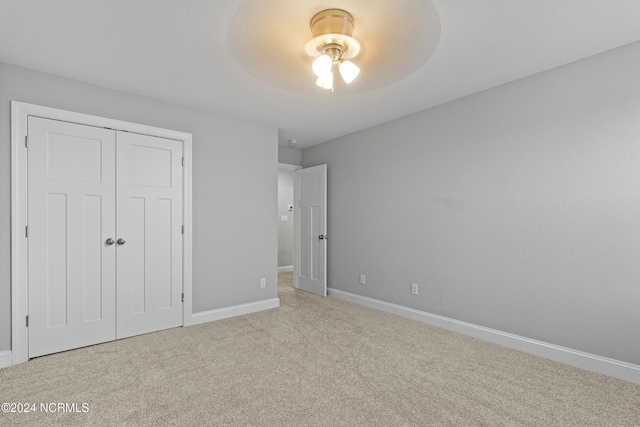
149, 244
71, 217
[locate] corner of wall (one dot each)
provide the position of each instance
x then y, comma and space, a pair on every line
290, 155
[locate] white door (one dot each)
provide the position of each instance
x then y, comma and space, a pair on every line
149, 245
104, 235
71, 215
310, 230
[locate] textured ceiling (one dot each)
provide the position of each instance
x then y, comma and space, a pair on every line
247, 59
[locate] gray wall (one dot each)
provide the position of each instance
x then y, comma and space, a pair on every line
234, 230
290, 155
516, 208
285, 228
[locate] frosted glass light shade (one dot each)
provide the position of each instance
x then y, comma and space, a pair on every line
325, 81
349, 71
322, 64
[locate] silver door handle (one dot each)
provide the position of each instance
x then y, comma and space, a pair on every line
110, 241
121, 241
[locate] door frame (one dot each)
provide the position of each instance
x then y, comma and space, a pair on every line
20, 111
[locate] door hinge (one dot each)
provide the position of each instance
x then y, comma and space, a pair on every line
183, 297
26, 141
183, 161
26, 231
27, 321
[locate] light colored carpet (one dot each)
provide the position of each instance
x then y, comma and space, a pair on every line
314, 361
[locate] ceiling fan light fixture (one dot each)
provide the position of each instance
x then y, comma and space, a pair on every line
321, 65
325, 80
349, 71
332, 31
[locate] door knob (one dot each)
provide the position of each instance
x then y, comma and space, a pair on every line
110, 241
121, 241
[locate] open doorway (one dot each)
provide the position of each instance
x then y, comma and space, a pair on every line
285, 216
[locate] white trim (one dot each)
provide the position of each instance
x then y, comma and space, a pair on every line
6, 359
236, 310
19, 337
288, 167
19, 299
285, 269
591, 362
187, 238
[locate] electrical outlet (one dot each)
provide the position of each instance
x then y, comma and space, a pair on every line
414, 289
362, 279
263, 282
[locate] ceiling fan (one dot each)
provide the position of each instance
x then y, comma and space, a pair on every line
332, 32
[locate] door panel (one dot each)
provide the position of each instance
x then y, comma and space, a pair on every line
302, 253
55, 284
92, 252
149, 284
317, 245
134, 282
71, 213
165, 289
73, 158
310, 230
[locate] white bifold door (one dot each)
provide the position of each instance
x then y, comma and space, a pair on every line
310, 230
104, 235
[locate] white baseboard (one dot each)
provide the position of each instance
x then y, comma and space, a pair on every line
6, 358
285, 269
236, 310
591, 362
